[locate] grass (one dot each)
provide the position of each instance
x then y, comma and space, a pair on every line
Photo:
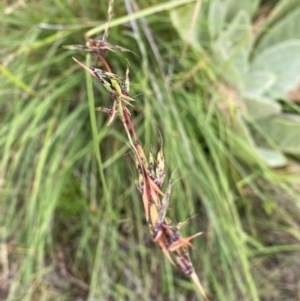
72, 222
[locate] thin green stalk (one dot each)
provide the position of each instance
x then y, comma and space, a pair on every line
91, 101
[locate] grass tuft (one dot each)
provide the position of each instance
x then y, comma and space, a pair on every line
72, 223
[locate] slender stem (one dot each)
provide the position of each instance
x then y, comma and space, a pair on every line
104, 62
128, 119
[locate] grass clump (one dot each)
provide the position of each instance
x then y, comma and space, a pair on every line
72, 222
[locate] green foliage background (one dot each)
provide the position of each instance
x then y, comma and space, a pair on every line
71, 223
